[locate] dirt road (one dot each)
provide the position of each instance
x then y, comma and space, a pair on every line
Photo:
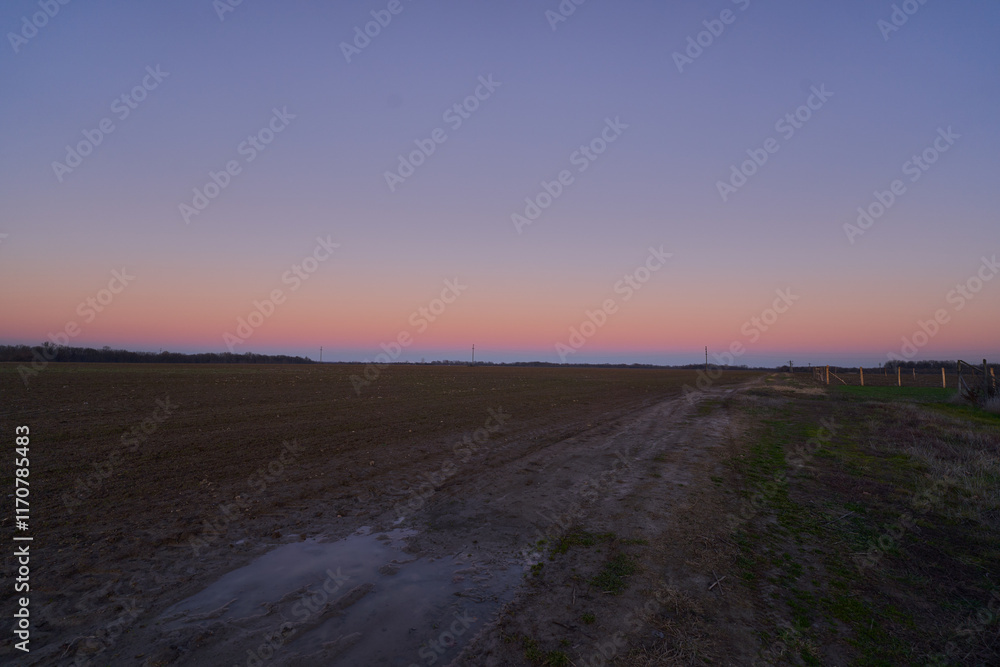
483, 526
517, 547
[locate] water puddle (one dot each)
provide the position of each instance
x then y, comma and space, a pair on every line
359, 600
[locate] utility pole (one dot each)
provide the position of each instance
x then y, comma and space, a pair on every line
320, 354
473, 354
706, 358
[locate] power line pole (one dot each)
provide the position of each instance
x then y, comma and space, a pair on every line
473, 354
706, 358
320, 354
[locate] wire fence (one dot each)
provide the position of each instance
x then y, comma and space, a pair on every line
966, 377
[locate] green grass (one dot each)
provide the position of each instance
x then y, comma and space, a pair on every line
534, 654
611, 579
581, 539
706, 407
797, 553
968, 412
916, 394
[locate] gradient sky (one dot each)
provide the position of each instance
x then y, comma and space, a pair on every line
656, 185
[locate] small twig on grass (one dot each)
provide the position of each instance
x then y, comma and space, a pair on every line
838, 518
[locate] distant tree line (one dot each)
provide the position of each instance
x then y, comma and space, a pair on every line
552, 364
25, 354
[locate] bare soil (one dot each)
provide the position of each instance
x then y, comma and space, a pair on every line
151, 482
502, 516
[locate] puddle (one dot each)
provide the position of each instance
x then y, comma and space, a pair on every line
359, 600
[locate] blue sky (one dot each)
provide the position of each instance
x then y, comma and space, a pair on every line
656, 184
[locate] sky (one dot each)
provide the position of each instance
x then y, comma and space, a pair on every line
597, 182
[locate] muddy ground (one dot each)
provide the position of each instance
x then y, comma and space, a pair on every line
151, 482
503, 516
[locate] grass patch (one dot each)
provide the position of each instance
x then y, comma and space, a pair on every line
581, 539
883, 543
535, 655
611, 579
706, 407
968, 412
912, 394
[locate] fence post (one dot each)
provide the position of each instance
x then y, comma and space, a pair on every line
914, 369
862, 371
986, 380
943, 385
899, 377
828, 374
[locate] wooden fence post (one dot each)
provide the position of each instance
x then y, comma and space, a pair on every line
914, 369
986, 380
862, 371
899, 377
943, 385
